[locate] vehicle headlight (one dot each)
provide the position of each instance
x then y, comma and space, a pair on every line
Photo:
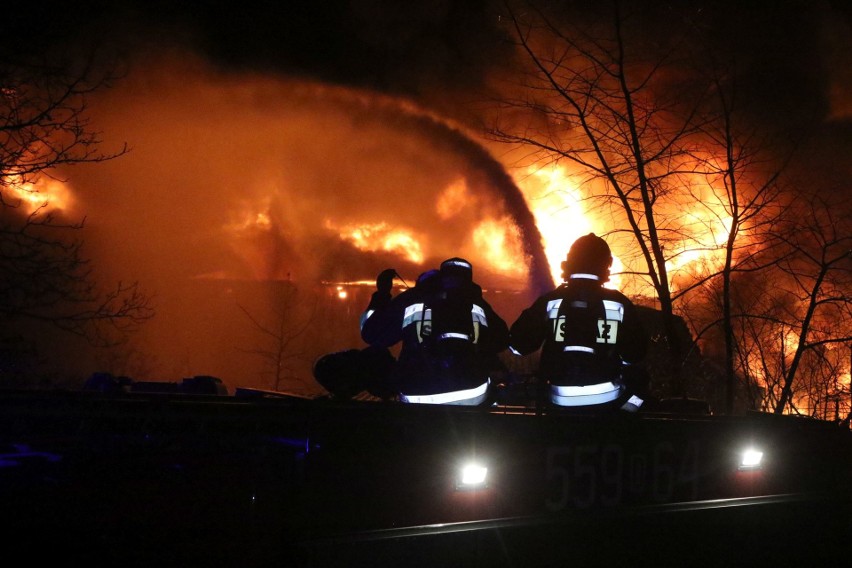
751, 458
472, 475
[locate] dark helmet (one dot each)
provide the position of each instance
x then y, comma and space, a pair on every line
429, 281
427, 276
456, 272
588, 255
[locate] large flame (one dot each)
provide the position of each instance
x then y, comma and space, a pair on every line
381, 236
497, 241
252, 188
452, 200
704, 225
463, 223
561, 214
556, 203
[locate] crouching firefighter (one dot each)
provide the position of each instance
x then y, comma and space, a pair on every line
450, 336
590, 338
363, 373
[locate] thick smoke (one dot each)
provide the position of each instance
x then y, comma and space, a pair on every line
235, 178
222, 168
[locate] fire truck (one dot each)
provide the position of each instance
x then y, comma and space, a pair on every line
260, 478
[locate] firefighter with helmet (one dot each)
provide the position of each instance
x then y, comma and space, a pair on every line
450, 335
590, 338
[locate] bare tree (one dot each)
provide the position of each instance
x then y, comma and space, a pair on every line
610, 106
817, 277
740, 193
748, 199
44, 276
791, 321
654, 126
283, 328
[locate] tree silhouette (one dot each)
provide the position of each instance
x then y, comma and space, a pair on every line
284, 328
610, 107
44, 275
651, 122
740, 195
817, 278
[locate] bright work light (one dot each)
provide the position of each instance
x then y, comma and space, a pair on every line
751, 459
472, 476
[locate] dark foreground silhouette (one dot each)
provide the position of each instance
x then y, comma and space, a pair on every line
257, 479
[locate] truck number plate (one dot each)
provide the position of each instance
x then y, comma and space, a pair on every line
594, 475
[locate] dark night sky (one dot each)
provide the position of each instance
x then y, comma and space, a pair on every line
411, 47
795, 56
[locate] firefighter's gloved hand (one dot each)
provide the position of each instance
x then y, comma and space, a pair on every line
384, 281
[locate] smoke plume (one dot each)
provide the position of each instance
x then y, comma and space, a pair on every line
233, 178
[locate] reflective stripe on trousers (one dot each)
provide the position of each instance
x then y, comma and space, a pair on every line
579, 349
585, 395
468, 397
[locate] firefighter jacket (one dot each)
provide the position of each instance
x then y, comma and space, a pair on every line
450, 340
589, 335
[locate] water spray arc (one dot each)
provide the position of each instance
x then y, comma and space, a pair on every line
481, 167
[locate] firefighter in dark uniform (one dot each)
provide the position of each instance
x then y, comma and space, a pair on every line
590, 338
362, 373
450, 335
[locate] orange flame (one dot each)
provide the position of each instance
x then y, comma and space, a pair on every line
452, 200
499, 244
381, 236
560, 214
43, 193
705, 229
